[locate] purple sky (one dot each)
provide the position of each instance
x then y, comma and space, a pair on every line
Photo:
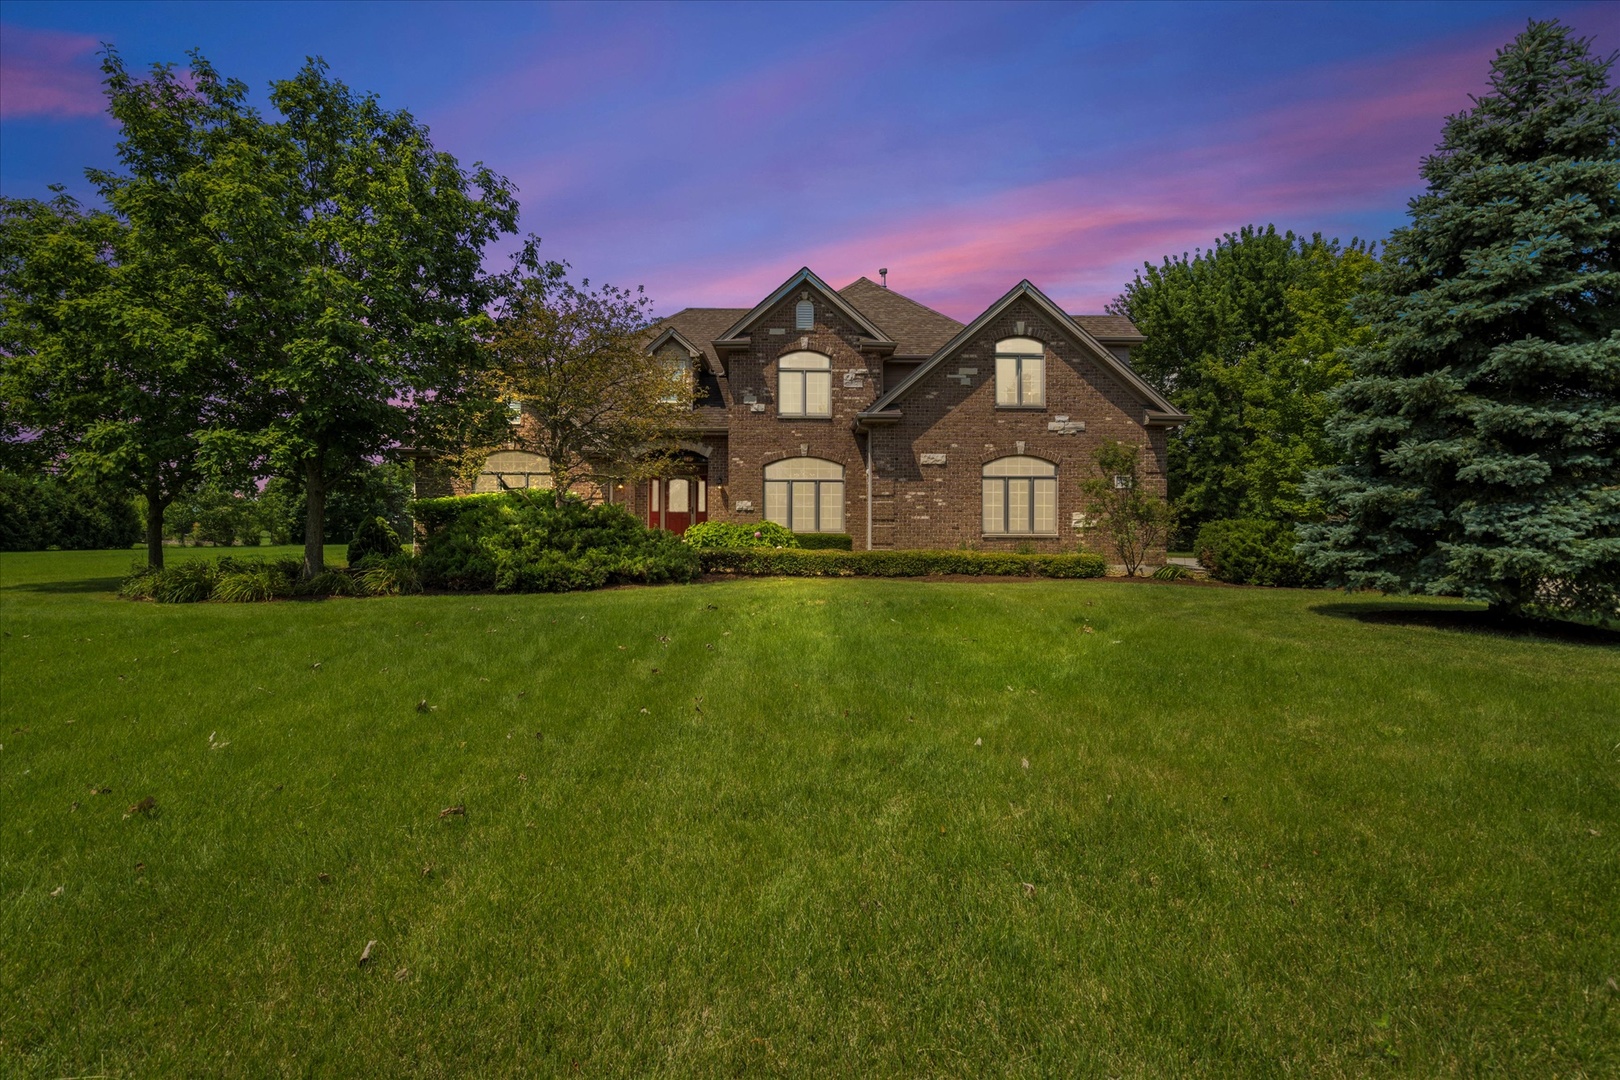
708, 152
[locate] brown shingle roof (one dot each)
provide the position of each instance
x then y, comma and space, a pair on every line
701, 325
916, 330
1107, 326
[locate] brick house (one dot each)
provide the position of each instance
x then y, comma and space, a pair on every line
861, 411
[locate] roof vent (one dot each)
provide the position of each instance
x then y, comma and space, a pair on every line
884, 274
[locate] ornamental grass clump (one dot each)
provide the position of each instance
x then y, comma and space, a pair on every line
538, 541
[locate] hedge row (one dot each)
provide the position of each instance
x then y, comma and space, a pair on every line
826, 541
788, 562
237, 580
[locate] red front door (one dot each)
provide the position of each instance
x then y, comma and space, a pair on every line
677, 503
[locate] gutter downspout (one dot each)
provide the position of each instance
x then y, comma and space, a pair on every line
869, 490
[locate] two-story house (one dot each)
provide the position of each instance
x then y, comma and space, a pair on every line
861, 411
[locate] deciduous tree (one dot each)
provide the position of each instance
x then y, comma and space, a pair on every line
570, 379
1136, 520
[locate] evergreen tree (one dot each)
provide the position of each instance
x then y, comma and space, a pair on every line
1479, 436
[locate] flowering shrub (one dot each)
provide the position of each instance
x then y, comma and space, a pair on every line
728, 534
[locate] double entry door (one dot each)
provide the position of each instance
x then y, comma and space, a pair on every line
677, 502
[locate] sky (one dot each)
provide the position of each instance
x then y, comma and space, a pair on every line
708, 151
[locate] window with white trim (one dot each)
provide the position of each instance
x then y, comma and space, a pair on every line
805, 494
1020, 497
804, 385
1020, 373
804, 315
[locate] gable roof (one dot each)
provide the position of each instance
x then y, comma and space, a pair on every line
915, 329
805, 277
1025, 290
698, 327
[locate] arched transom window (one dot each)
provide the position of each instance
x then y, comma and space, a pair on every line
804, 385
1020, 497
805, 494
1020, 373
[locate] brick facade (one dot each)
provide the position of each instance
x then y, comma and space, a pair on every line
928, 445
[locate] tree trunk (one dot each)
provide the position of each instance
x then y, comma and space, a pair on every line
314, 517
154, 528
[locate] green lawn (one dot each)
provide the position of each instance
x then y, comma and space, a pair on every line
801, 828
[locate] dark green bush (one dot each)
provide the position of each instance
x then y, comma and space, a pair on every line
1252, 552
825, 541
328, 583
374, 538
43, 511
729, 534
536, 541
233, 580
791, 563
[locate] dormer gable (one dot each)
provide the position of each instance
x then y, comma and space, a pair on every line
1158, 409
805, 280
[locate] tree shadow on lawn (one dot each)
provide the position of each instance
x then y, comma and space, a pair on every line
77, 585
1469, 620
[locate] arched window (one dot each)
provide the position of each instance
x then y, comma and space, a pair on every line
1020, 497
804, 385
1020, 373
805, 494
804, 315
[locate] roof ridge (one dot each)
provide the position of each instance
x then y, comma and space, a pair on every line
903, 296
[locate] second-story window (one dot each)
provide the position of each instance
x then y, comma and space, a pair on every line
804, 385
1020, 373
680, 380
804, 316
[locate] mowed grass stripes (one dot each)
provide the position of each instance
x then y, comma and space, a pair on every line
799, 827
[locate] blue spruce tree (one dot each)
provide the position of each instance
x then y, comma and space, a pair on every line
1479, 437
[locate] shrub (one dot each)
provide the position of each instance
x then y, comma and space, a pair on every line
825, 541
538, 541
393, 576
374, 538
792, 563
41, 511
1252, 552
729, 534
1172, 572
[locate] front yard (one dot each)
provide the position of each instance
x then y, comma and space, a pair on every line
800, 828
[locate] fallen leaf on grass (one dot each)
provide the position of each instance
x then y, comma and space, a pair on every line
644, 712
57, 891
453, 811
423, 707
621, 648
100, 790
655, 671
145, 806
978, 742
316, 666
1087, 630
1029, 890
140, 868
523, 778
323, 877
402, 974
427, 871
1026, 763
365, 953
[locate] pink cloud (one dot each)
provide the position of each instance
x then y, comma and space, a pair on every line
1349, 142
48, 73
